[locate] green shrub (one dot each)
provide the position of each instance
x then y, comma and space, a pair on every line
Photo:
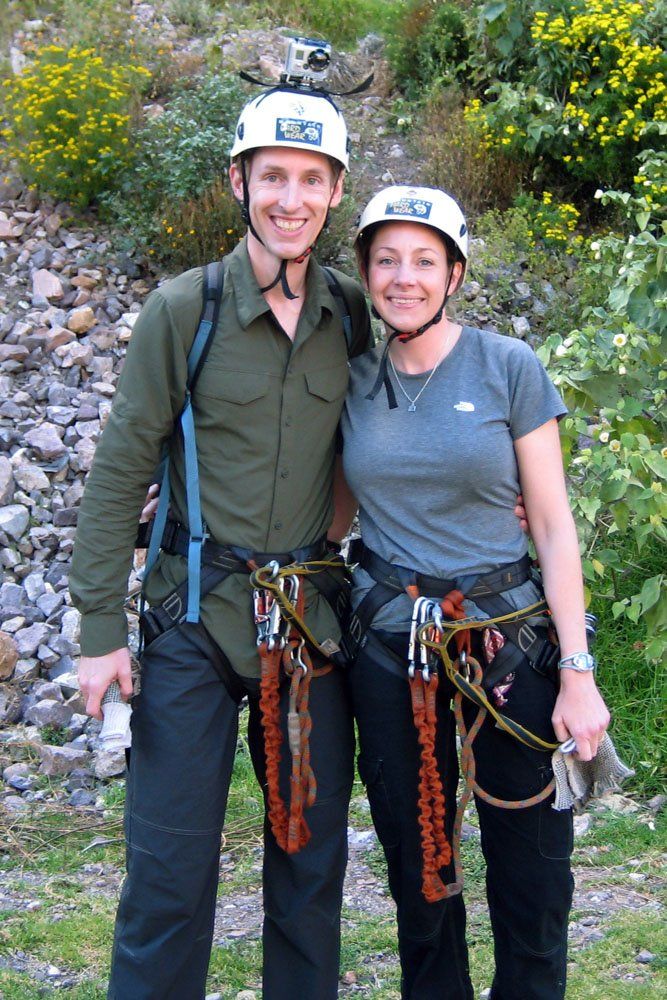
429, 46
609, 370
455, 158
197, 230
341, 22
554, 222
68, 118
178, 157
593, 81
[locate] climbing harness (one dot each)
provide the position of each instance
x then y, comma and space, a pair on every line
438, 624
284, 643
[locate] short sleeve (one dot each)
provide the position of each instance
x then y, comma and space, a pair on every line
534, 399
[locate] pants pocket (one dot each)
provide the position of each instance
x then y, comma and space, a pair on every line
370, 772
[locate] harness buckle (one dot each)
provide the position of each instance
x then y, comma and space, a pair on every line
173, 606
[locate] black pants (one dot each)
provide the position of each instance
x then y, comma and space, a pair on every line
184, 732
527, 851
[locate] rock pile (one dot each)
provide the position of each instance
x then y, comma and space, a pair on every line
66, 312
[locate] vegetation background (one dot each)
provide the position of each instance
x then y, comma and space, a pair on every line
547, 120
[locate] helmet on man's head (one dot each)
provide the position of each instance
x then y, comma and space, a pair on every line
293, 119
427, 206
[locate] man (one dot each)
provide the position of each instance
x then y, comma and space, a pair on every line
266, 408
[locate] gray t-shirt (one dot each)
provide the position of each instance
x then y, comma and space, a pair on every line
437, 487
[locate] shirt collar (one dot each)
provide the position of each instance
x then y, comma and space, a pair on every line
250, 303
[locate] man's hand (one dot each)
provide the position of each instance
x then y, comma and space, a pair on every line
96, 673
519, 511
580, 712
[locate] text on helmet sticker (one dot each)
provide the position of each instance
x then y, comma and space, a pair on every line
415, 207
293, 130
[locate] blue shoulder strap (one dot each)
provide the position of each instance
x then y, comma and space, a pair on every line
213, 284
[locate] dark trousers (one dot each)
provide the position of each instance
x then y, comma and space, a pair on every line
184, 733
527, 851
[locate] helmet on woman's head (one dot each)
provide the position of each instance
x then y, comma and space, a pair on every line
294, 119
427, 206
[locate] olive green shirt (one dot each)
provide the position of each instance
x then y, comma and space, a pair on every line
266, 414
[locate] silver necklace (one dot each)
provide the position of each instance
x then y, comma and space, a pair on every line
413, 400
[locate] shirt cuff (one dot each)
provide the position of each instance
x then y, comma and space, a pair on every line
103, 632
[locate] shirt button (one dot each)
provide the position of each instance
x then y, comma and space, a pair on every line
288, 421
278, 525
284, 474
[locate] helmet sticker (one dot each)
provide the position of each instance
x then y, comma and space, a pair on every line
414, 207
240, 130
293, 130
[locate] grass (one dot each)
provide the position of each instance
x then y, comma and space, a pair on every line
72, 927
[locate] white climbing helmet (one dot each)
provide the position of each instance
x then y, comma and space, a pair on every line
293, 119
430, 206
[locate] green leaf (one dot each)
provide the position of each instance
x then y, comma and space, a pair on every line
621, 514
650, 592
612, 490
657, 464
642, 219
618, 608
493, 11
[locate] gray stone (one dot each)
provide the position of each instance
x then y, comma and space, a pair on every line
85, 450
10, 705
13, 353
15, 804
12, 598
645, 957
48, 713
61, 760
46, 285
109, 763
521, 326
82, 797
75, 354
26, 669
14, 520
34, 586
31, 478
28, 640
50, 602
6, 481
19, 776
46, 440
70, 626
47, 689
65, 517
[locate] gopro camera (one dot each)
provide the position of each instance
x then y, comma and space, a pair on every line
308, 61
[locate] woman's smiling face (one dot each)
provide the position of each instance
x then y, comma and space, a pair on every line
408, 273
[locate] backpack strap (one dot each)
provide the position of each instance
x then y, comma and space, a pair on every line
341, 302
212, 288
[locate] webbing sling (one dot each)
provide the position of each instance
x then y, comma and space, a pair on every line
213, 284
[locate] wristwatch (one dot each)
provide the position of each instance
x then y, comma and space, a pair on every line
583, 663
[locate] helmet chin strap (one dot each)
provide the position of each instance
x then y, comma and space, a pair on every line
383, 371
281, 276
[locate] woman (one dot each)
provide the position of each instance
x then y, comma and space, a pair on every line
472, 419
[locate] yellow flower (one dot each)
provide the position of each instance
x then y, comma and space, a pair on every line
614, 446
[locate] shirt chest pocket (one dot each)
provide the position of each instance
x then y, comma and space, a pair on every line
328, 384
232, 387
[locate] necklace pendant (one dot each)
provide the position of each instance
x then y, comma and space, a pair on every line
412, 407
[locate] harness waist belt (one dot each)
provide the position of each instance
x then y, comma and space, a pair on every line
176, 539
473, 585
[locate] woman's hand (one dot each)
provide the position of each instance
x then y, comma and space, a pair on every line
150, 503
580, 712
